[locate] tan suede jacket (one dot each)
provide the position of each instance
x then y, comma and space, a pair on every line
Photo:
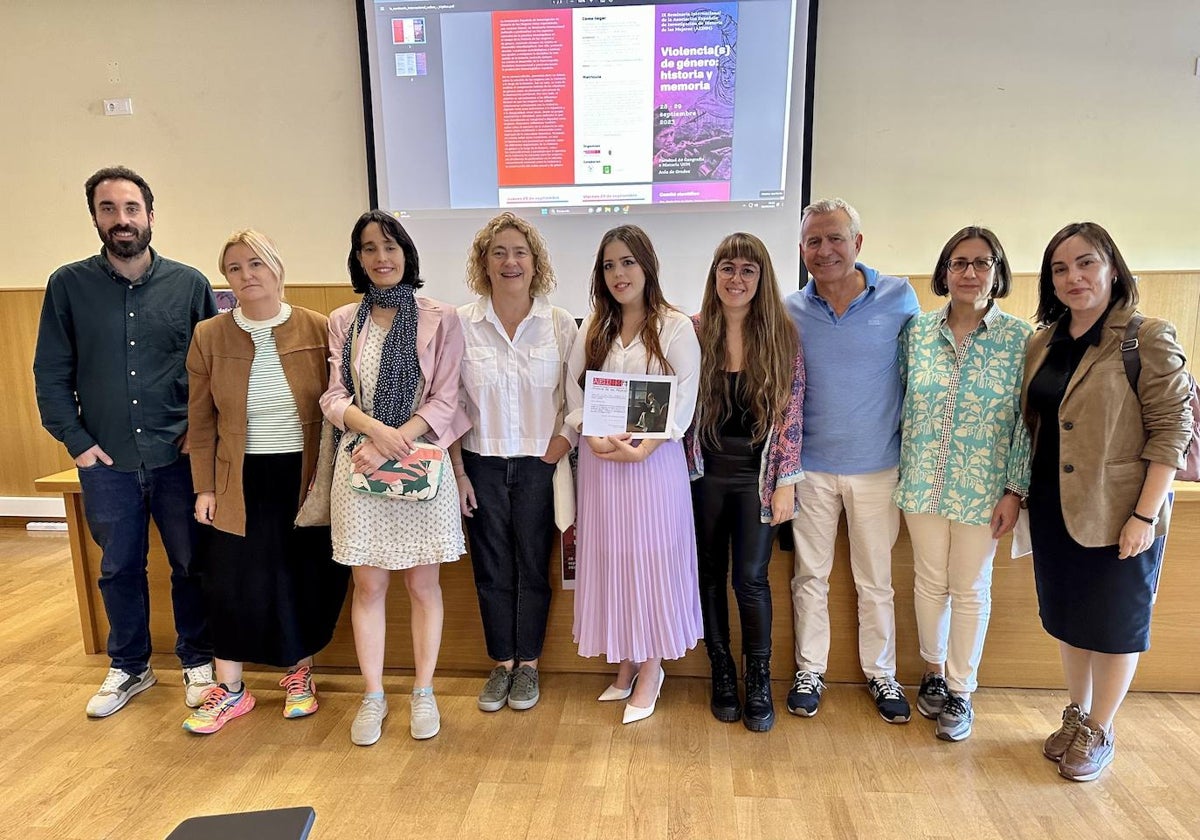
1107, 435
218, 366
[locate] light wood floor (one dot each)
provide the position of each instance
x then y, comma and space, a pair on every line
566, 769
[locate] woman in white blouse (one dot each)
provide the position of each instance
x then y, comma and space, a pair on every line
637, 598
514, 393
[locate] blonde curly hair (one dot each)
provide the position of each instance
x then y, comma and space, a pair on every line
543, 273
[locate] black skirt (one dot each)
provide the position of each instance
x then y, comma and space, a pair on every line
273, 596
1088, 597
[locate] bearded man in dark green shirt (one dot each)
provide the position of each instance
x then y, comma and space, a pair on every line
112, 386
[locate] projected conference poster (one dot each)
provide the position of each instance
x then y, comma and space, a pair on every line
640, 97
696, 50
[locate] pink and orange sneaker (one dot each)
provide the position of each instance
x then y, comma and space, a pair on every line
219, 707
301, 699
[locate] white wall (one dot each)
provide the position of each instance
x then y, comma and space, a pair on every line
1022, 115
930, 114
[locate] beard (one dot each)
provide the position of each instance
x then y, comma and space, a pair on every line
126, 249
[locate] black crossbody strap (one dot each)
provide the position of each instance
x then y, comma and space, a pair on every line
1129, 351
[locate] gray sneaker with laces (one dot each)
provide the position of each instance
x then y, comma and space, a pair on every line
932, 695
954, 721
368, 723
426, 721
524, 694
495, 690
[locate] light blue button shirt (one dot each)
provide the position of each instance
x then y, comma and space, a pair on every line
853, 386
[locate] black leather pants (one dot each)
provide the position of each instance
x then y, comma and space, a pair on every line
726, 505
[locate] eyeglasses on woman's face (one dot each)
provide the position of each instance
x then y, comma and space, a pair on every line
958, 265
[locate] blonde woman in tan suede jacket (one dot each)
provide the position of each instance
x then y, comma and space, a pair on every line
256, 375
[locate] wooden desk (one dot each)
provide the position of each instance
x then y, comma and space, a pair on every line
1018, 653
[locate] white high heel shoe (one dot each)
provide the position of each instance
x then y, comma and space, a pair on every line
614, 693
635, 713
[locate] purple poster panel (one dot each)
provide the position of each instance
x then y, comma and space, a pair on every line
696, 50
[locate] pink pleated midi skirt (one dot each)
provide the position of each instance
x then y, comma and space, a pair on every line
636, 592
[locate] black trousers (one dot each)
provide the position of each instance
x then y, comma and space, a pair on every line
726, 505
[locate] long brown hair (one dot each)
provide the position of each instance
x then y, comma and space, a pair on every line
768, 342
605, 327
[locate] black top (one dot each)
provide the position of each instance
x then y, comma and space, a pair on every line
109, 365
1046, 391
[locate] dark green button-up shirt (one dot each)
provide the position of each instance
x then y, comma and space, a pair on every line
109, 366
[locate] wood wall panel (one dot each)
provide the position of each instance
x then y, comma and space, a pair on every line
1019, 654
26, 450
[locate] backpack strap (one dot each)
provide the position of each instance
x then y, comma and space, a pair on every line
1129, 351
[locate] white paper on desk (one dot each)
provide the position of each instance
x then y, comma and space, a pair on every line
1022, 544
641, 404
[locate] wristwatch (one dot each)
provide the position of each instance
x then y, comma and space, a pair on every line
1149, 520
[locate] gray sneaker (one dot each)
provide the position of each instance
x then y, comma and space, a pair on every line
1060, 740
118, 689
954, 722
495, 690
425, 722
524, 694
197, 682
368, 723
931, 696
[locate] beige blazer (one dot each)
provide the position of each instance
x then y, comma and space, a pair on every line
1107, 436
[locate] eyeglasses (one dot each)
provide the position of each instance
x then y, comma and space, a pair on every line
982, 264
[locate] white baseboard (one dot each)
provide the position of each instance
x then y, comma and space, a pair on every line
33, 506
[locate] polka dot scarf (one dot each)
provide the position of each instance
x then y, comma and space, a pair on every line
399, 370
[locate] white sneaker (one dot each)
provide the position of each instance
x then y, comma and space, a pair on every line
117, 689
426, 721
368, 723
197, 682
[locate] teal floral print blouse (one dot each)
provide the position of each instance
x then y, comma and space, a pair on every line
963, 440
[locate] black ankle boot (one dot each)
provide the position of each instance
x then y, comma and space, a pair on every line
760, 708
725, 704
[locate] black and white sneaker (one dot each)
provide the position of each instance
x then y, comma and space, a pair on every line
954, 723
889, 699
932, 695
117, 690
805, 694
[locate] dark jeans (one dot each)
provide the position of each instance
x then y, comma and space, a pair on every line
118, 506
511, 535
726, 504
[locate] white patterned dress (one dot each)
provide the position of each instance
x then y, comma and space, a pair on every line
390, 533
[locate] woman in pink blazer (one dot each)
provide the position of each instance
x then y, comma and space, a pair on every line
394, 365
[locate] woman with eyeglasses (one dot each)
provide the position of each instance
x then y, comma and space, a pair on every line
964, 465
743, 452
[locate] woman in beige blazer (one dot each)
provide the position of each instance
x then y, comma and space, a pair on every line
1103, 461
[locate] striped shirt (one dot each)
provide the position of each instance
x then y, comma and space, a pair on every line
272, 422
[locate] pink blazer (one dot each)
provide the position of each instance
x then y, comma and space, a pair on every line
439, 352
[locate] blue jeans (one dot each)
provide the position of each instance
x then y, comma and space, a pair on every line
119, 506
511, 536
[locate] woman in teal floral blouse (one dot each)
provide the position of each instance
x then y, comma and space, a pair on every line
964, 464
